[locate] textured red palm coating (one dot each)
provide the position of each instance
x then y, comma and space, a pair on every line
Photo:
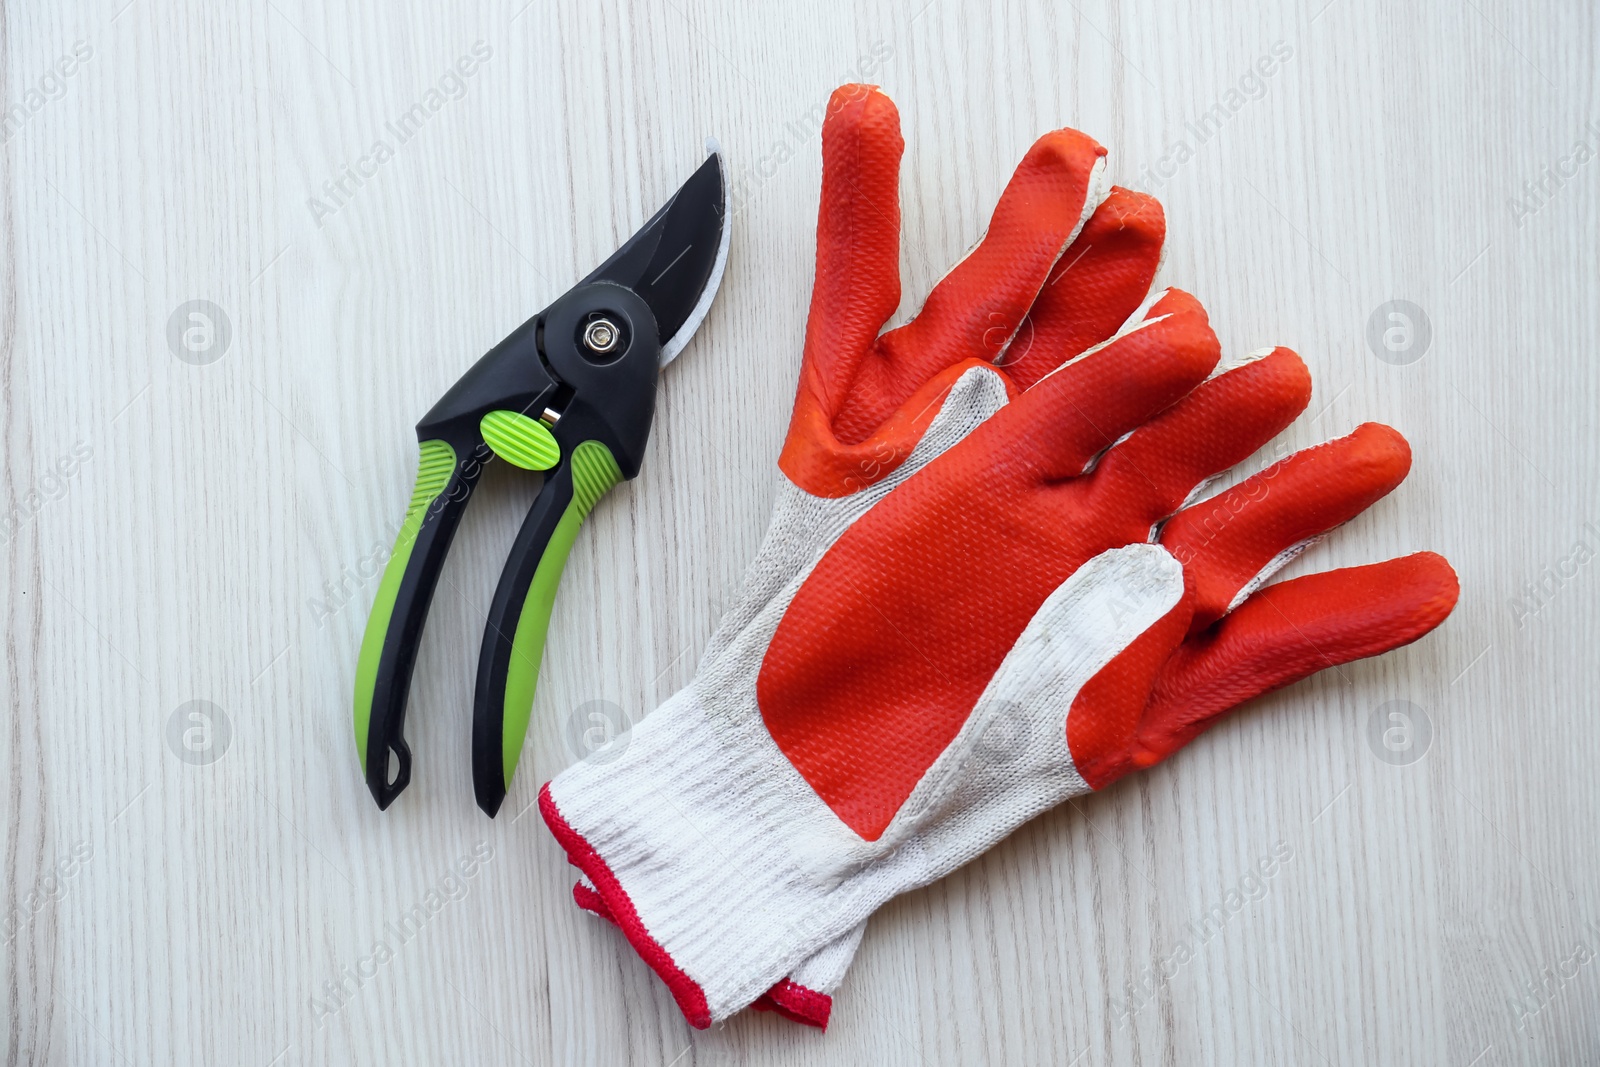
889, 642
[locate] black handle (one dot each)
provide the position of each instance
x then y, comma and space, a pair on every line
519, 617
445, 480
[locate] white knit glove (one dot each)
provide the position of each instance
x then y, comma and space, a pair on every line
1030, 615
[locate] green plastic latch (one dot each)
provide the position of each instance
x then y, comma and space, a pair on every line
520, 441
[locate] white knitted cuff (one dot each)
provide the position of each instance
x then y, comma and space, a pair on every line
697, 865
805, 996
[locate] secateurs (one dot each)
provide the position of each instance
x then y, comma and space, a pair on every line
570, 393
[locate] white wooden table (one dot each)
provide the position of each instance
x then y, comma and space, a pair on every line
200, 524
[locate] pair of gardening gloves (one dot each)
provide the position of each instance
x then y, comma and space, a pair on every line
991, 582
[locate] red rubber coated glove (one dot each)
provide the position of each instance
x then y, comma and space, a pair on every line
1065, 257
840, 746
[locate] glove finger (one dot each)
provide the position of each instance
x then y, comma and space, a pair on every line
1288, 632
975, 309
1220, 423
1231, 543
857, 283
1059, 426
1104, 719
1097, 285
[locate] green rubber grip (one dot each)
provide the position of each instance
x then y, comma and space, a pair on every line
519, 618
438, 462
594, 472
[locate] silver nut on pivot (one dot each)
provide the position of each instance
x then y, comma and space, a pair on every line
601, 336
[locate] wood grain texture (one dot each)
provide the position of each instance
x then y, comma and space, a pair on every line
214, 537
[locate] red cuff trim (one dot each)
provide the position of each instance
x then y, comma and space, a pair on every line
789, 999
685, 990
796, 1003
587, 899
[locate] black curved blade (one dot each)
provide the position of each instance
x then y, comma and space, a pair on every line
675, 261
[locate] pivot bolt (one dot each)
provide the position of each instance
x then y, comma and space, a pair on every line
601, 336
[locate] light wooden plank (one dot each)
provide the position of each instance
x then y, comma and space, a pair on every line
169, 912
